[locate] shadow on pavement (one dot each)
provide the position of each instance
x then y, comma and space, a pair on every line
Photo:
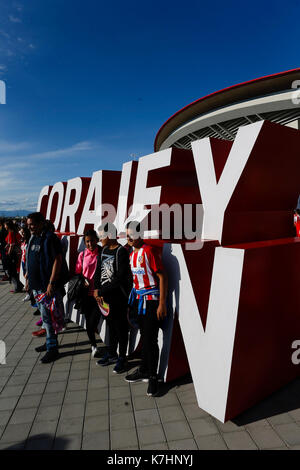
284, 400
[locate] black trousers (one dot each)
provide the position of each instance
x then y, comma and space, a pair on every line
92, 315
149, 326
118, 325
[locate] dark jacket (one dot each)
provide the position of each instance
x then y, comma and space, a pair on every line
120, 284
50, 248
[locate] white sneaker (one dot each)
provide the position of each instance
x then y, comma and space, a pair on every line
26, 298
94, 351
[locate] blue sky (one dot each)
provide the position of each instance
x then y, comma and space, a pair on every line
90, 83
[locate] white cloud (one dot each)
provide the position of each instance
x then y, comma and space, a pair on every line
78, 147
14, 19
9, 147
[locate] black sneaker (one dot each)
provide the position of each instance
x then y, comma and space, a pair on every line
41, 348
106, 360
120, 366
137, 376
152, 387
50, 356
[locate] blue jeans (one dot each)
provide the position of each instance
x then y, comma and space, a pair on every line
51, 337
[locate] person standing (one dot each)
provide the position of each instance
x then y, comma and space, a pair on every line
14, 254
148, 298
86, 264
3, 235
113, 282
46, 274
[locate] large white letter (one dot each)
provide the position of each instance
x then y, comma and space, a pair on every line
71, 209
144, 195
91, 216
60, 190
216, 196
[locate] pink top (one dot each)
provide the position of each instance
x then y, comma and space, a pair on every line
89, 266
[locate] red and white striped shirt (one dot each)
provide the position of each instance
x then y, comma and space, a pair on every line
145, 263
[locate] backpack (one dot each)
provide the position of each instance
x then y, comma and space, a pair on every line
77, 289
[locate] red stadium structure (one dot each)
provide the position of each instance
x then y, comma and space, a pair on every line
233, 311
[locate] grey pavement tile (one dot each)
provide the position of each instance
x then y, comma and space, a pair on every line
183, 444
266, 438
48, 413
6, 370
144, 403
290, 433
4, 381
78, 374
213, 442
60, 367
52, 399
151, 434
122, 421
78, 396
177, 430
192, 411
97, 394
75, 410
96, 424
22, 370
38, 378
17, 380
79, 366
170, 399
96, 441
283, 418
156, 446
58, 376
82, 354
123, 438
43, 427
8, 403
40, 444
295, 414
30, 401
12, 445
120, 406
77, 385
136, 447
25, 415
97, 383
34, 389
15, 432
96, 408
68, 442
70, 426
4, 417
229, 426
187, 396
239, 440
12, 391
138, 389
171, 413
203, 426
261, 423
53, 387
119, 392
147, 417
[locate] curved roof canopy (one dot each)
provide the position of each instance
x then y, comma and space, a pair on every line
221, 113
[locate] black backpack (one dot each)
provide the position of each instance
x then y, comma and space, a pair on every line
77, 289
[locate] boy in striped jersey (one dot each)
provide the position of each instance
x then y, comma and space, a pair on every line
148, 297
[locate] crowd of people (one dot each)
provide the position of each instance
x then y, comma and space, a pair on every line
126, 285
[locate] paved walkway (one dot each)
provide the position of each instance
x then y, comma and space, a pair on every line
74, 404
